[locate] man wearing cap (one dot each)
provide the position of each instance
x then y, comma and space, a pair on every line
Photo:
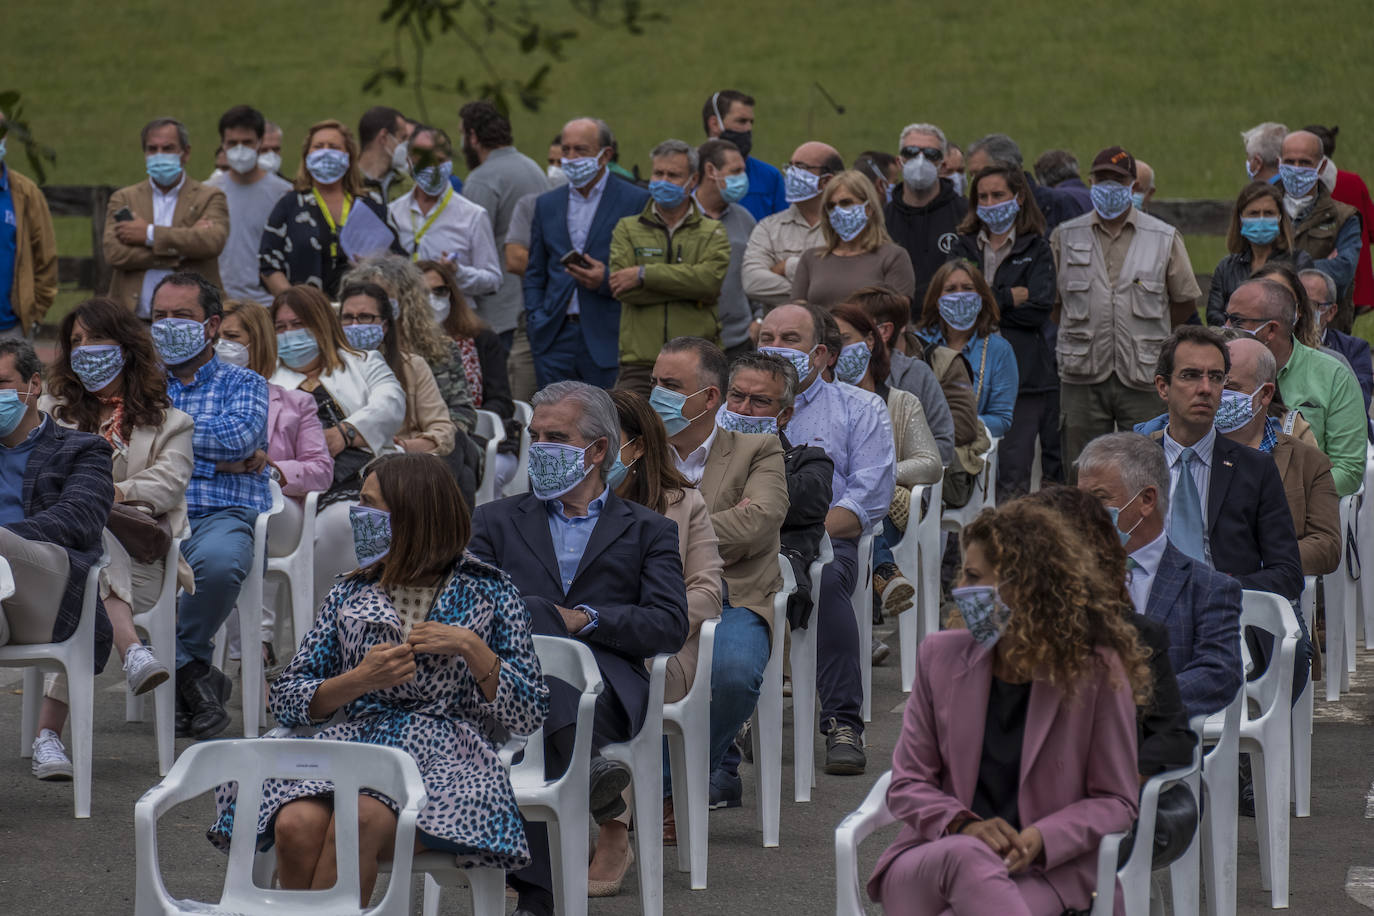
1124, 281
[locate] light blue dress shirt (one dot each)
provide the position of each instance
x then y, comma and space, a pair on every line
581, 212
853, 427
1201, 469
570, 535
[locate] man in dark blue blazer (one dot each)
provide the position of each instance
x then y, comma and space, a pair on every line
571, 318
1199, 606
1321, 289
591, 567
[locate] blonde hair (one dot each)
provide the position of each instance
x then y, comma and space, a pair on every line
416, 330
262, 339
352, 179
874, 234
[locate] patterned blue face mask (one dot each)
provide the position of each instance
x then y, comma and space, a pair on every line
582, 170
164, 168
1110, 199
733, 422
983, 612
734, 188
801, 361
1259, 229
364, 336
960, 310
1297, 179
371, 533
848, 222
799, 184
178, 340
555, 468
853, 362
97, 366
433, 180
297, 348
327, 165
1237, 408
999, 218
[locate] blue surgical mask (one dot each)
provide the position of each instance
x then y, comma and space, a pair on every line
97, 366
1115, 513
2, 149
178, 340
853, 362
1138, 200
555, 468
734, 187
297, 348
983, 611
1236, 409
733, 422
848, 222
960, 310
616, 475
801, 361
999, 218
1259, 229
582, 170
12, 410
434, 179
164, 168
1110, 199
800, 184
371, 533
668, 405
327, 165
667, 193
364, 336
1297, 179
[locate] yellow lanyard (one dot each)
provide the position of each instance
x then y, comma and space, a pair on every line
420, 233
328, 218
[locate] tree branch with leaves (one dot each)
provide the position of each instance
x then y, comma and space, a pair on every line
14, 127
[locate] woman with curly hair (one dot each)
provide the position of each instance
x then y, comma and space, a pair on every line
1004, 810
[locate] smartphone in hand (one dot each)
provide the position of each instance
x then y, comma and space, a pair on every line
123, 215
575, 258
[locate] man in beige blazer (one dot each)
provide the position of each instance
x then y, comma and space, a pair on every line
168, 223
741, 476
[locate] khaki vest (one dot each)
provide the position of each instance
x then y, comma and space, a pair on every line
1316, 235
1111, 327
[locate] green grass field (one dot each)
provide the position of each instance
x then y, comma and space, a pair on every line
1172, 80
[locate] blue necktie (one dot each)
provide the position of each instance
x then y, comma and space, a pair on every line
1185, 524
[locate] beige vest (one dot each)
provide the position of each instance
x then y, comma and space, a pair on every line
1112, 326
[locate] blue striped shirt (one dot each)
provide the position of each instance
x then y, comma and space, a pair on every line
229, 407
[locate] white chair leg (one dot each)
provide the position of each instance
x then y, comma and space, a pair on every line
1220, 831
488, 892
1184, 877
907, 625
1335, 639
430, 907
804, 712
768, 761
28, 715
691, 790
1271, 777
648, 785
1302, 753
569, 866
81, 703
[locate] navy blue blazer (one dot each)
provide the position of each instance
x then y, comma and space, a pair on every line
548, 287
630, 573
68, 492
1249, 525
1356, 352
1200, 608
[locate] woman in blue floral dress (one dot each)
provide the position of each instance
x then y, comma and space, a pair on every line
423, 648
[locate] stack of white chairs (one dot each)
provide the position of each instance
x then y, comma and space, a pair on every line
1302, 717
984, 494
687, 726
862, 600
1211, 858
160, 623
918, 554
803, 661
767, 720
489, 425
520, 483
297, 570
76, 657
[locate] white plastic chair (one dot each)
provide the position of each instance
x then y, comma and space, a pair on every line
490, 426
1267, 737
1337, 668
297, 568
1136, 876
520, 483
1364, 517
643, 754
350, 766
767, 719
1211, 857
160, 623
687, 727
487, 886
803, 661
1302, 719
984, 494
862, 600
249, 606
918, 554
76, 656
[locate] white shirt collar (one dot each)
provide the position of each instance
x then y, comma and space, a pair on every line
176, 189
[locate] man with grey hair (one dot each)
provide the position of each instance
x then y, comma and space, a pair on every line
924, 217
1263, 146
1058, 169
1057, 205
170, 222
572, 319
1321, 291
1199, 606
594, 568
667, 265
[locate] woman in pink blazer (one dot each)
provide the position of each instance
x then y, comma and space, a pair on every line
1018, 748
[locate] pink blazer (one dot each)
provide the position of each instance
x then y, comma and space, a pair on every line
295, 442
1078, 760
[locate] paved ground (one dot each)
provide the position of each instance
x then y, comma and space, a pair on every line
52, 864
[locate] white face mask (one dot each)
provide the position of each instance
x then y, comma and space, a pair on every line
232, 352
400, 158
441, 307
269, 162
242, 159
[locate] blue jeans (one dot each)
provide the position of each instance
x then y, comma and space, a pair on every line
219, 550
741, 653
882, 544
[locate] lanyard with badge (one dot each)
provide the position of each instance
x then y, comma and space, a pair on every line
420, 233
329, 218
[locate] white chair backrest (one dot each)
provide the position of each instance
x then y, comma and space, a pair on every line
520, 482
573, 663
823, 559
789, 578
1274, 615
489, 425
6, 579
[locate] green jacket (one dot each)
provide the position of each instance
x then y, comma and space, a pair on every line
682, 278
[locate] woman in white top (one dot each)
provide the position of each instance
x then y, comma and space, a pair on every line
361, 407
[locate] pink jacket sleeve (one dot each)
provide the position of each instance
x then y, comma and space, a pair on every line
297, 445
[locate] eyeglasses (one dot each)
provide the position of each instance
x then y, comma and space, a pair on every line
364, 318
756, 401
1233, 318
932, 153
1193, 376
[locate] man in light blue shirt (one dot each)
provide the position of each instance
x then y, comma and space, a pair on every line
853, 427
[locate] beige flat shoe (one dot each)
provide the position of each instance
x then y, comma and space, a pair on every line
611, 888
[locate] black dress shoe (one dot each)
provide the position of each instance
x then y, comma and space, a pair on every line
183, 718
607, 780
203, 699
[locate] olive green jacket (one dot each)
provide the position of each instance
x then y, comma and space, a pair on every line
682, 277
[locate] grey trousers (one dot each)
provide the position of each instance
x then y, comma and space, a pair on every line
40, 577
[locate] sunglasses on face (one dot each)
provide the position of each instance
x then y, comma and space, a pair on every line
932, 153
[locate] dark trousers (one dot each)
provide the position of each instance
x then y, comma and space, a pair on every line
570, 358
637, 377
507, 338
839, 683
1035, 414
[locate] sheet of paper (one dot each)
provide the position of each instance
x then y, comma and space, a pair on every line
364, 235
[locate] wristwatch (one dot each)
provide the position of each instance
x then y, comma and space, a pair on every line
593, 618
349, 433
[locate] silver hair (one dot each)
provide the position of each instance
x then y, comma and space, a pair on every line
271, 127
925, 129
672, 147
999, 147
773, 365
1138, 461
1265, 140
183, 137
1327, 282
599, 419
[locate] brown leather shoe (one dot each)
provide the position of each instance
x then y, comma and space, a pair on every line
669, 824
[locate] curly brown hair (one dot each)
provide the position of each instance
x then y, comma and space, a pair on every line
1063, 606
143, 381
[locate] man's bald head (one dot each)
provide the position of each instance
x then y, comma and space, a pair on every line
1144, 176
1252, 364
818, 155
1302, 148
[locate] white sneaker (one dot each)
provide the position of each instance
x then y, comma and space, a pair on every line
142, 669
50, 760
